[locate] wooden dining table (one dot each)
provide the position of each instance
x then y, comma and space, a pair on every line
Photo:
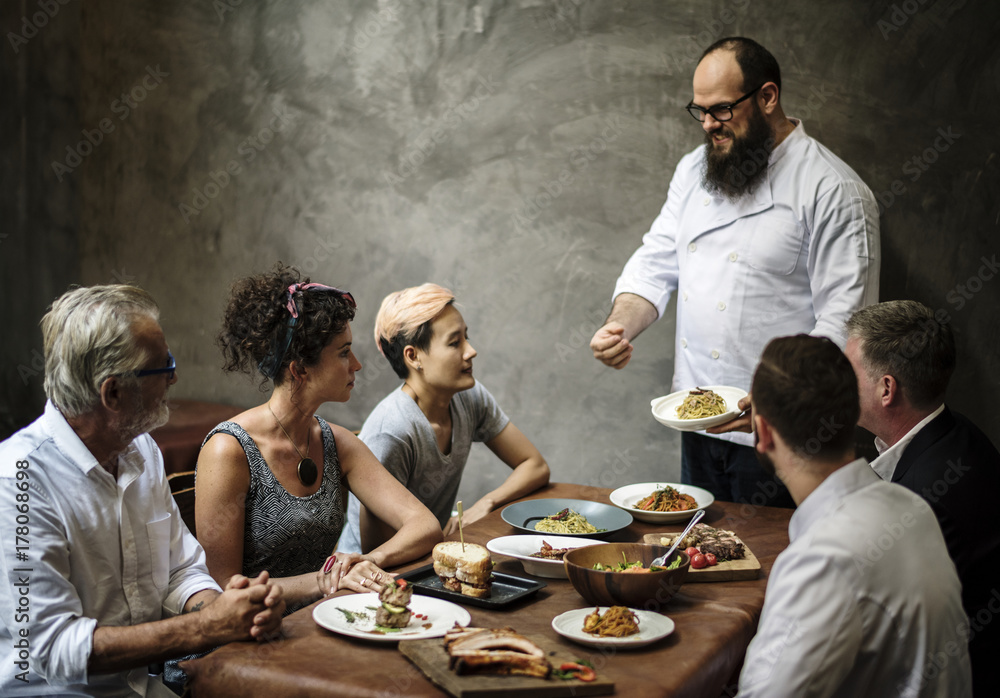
715, 622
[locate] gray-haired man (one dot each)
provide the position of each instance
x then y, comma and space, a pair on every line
99, 574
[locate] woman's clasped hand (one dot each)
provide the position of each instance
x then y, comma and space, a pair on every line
352, 572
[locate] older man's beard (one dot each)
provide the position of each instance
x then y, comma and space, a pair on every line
741, 169
141, 420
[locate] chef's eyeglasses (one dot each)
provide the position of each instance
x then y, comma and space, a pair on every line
170, 368
720, 112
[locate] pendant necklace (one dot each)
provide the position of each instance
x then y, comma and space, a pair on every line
306, 469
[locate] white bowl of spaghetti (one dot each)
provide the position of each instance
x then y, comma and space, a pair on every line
718, 407
660, 499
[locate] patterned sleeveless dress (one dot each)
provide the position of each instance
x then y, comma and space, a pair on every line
284, 534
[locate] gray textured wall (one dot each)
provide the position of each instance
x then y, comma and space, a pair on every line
514, 151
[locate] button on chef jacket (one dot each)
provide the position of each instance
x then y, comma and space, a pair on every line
800, 254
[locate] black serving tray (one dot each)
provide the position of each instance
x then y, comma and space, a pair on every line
506, 588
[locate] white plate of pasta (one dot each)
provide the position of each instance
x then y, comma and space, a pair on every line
718, 404
652, 627
661, 501
566, 517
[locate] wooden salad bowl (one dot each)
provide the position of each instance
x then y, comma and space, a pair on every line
647, 591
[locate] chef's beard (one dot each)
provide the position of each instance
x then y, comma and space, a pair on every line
740, 170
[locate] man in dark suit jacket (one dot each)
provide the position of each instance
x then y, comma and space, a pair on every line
903, 356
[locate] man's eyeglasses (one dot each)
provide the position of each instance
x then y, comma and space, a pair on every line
170, 368
720, 112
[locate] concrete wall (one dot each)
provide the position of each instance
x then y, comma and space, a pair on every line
514, 151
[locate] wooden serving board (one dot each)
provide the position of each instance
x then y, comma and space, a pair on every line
730, 571
431, 658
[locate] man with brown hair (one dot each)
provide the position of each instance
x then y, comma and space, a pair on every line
863, 601
765, 232
903, 355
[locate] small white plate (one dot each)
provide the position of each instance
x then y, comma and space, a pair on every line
354, 616
652, 627
665, 409
521, 547
626, 497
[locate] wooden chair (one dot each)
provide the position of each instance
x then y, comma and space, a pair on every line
182, 488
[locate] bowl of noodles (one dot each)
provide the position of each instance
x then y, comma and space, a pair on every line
620, 581
661, 502
698, 408
566, 517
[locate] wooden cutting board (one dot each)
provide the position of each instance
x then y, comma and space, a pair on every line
431, 658
730, 571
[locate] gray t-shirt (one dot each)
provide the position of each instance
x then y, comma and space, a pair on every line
402, 439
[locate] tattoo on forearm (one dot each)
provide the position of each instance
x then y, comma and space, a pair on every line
197, 607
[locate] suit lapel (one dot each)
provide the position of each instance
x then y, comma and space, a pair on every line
936, 430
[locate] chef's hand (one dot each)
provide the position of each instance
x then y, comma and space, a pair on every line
610, 346
742, 422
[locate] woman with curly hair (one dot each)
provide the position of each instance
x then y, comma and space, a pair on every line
272, 483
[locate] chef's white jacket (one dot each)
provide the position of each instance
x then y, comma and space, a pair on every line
798, 255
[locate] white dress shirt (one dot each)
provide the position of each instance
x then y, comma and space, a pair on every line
888, 456
864, 601
98, 552
798, 255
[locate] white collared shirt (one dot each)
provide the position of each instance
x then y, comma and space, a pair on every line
888, 456
800, 254
98, 552
864, 601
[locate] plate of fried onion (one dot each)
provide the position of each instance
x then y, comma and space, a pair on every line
612, 626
